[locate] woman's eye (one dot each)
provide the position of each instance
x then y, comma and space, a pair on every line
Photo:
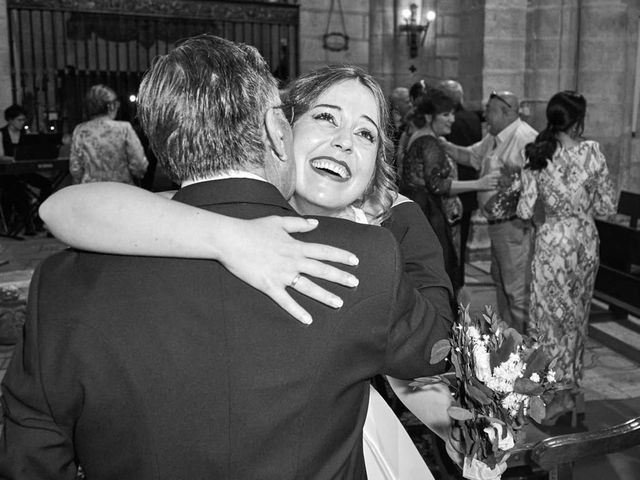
368, 136
326, 116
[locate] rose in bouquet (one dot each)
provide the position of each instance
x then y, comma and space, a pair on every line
500, 379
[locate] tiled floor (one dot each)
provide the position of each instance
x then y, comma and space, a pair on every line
611, 383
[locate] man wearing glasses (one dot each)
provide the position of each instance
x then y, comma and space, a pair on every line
502, 150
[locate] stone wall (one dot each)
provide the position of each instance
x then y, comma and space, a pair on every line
314, 17
588, 46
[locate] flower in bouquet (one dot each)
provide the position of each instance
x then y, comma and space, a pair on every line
500, 378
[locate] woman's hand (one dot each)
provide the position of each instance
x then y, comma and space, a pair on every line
489, 181
264, 255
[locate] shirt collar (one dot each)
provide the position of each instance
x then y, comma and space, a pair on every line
224, 175
507, 131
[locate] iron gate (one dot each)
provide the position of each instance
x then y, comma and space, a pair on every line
59, 48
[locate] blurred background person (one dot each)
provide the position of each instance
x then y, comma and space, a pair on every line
466, 130
400, 105
501, 151
14, 198
569, 177
104, 149
16, 118
430, 176
412, 123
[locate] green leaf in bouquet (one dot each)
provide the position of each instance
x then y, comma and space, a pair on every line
527, 387
536, 362
537, 410
459, 413
478, 395
469, 443
440, 351
456, 365
478, 384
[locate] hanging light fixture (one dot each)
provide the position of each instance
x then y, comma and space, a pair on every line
413, 28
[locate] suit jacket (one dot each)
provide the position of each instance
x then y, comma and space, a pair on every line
164, 368
466, 130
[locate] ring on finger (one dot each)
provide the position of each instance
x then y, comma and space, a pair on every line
294, 281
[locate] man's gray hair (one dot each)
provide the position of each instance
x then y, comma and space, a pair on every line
203, 105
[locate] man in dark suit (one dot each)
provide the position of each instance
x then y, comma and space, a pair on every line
466, 130
148, 368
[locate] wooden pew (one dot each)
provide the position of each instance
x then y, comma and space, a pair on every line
554, 457
618, 280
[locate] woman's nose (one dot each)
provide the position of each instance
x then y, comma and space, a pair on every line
342, 140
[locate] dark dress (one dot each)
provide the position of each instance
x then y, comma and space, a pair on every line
427, 177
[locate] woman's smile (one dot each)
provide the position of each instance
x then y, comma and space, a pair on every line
330, 167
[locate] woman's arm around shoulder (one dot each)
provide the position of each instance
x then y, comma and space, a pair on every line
100, 217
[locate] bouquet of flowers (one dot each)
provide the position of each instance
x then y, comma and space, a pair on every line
500, 378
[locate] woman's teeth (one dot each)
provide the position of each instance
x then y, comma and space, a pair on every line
331, 167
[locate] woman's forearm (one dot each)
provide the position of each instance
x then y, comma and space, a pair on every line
462, 186
101, 217
429, 404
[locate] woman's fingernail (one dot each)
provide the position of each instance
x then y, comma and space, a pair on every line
306, 319
312, 221
353, 260
353, 282
337, 302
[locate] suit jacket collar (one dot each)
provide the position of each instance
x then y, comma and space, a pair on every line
233, 190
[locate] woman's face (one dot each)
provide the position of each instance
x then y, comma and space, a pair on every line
335, 145
18, 122
441, 123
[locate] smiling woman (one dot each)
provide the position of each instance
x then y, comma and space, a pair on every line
341, 144
335, 147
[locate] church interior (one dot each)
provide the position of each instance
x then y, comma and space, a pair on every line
53, 51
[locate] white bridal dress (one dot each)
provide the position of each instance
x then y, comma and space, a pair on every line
389, 452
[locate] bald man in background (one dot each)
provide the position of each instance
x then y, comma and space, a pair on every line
502, 150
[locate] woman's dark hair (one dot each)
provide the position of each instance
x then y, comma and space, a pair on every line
14, 111
565, 111
433, 102
417, 89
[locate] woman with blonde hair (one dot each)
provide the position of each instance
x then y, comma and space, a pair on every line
104, 149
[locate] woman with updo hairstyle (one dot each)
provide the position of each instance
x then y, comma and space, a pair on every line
430, 176
568, 177
104, 149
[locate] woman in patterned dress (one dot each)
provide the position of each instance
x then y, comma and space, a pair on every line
430, 176
104, 149
570, 179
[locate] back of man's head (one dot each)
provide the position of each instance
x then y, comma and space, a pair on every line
453, 89
203, 104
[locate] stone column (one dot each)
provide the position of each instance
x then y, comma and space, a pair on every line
5, 62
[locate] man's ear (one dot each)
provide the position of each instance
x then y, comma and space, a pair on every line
278, 132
